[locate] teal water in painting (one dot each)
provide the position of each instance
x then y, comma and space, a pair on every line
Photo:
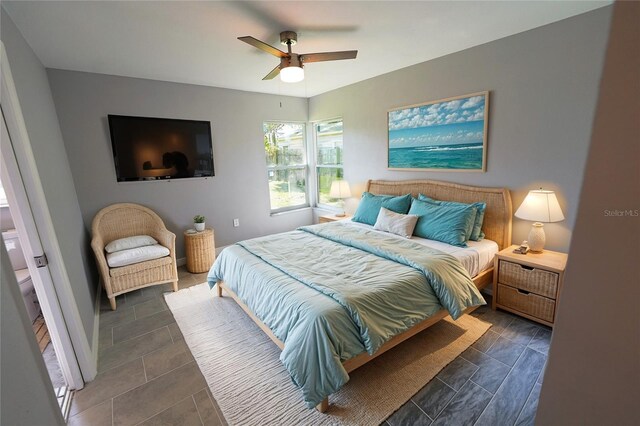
454, 156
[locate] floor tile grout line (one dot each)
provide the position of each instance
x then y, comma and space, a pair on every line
155, 378
144, 370
492, 343
124, 323
135, 387
162, 411
526, 400
482, 387
133, 359
216, 408
455, 393
501, 384
144, 334
197, 410
462, 356
421, 410
445, 383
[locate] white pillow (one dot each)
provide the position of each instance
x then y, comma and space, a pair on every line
129, 243
136, 255
396, 223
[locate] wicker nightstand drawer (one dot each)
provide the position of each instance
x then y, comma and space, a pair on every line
528, 303
538, 281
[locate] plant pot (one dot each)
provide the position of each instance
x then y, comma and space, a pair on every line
199, 226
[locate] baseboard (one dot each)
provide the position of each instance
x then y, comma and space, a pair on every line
95, 344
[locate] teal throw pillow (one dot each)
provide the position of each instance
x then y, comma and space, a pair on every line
370, 205
475, 233
445, 223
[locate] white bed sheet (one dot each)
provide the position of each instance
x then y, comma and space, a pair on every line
476, 258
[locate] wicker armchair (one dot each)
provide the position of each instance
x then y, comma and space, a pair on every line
126, 220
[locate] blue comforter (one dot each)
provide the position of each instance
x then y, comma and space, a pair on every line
332, 291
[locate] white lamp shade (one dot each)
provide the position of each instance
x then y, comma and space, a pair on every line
540, 206
340, 189
292, 74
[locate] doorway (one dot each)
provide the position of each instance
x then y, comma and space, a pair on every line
22, 242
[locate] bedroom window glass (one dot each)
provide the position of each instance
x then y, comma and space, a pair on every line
328, 139
285, 149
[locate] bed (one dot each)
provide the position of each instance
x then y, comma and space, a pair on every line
323, 333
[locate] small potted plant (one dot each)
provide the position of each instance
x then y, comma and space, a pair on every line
198, 222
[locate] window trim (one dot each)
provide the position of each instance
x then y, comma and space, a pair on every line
304, 167
316, 166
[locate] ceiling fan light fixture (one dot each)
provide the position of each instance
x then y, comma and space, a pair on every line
292, 74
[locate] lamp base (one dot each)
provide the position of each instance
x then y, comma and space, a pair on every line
343, 214
537, 238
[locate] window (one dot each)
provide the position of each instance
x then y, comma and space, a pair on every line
285, 148
328, 139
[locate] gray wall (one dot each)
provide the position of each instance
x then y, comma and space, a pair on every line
53, 167
543, 87
593, 372
26, 392
239, 188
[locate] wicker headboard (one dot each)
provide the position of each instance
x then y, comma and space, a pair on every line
497, 217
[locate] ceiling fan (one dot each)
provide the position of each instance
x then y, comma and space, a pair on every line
290, 67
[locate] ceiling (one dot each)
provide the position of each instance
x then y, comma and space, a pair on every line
195, 42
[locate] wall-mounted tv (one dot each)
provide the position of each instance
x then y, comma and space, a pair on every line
146, 148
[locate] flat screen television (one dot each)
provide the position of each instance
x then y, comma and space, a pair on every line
146, 148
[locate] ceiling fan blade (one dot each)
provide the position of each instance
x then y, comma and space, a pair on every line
263, 46
274, 72
328, 56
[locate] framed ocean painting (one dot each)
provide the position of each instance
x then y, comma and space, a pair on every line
447, 135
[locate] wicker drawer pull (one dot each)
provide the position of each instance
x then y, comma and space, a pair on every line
532, 304
534, 280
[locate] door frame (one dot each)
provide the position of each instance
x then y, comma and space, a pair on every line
59, 300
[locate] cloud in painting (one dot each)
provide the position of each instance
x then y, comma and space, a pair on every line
438, 114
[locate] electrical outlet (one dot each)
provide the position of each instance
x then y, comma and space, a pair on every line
236, 223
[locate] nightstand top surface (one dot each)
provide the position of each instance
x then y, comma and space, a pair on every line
548, 259
334, 217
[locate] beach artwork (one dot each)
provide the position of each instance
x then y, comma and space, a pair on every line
449, 134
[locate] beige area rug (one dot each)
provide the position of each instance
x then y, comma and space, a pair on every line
252, 387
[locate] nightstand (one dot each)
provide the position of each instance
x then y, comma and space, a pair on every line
332, 218
200, 250
528, 284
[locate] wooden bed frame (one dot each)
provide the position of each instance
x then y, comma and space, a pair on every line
496, 226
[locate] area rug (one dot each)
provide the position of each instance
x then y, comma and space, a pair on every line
242, 367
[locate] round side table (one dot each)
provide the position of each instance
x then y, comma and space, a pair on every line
200, 250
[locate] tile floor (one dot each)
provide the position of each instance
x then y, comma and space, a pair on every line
146, 374
495, 382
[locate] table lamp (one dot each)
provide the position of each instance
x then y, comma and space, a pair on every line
340, 189
540, 206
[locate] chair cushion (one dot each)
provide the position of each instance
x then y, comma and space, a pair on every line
136, 255
129, 243
139, 267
